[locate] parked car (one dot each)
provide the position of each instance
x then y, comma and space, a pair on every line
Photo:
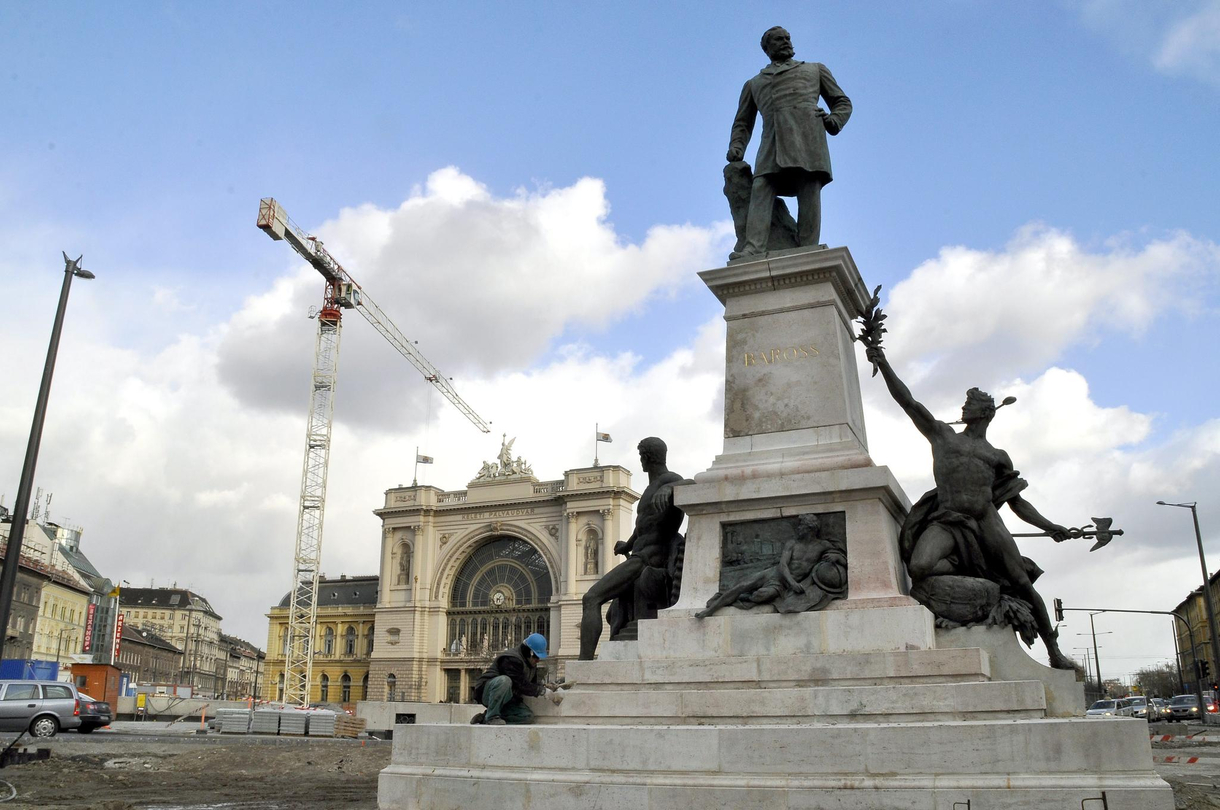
44, 708
93, 713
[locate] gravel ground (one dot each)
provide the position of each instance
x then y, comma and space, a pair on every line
120, 771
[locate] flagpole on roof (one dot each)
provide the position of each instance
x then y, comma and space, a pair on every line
596, 428
415, 475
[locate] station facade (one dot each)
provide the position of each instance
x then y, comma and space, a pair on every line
465, 574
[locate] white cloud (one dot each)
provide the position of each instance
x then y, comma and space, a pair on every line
483, 283
1179, 39
972, 317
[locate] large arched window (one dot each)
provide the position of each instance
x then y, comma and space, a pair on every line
368, 641
364, 687
324, 690
328, 642
501, 594
281, 687
345, 688
349, 641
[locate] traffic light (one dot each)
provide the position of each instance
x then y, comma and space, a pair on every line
1205, 670
1058, 610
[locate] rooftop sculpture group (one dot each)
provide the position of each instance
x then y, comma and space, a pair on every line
505, 466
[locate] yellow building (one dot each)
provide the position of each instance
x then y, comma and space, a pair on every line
343, 645
470, 572
60, 632
1194, 611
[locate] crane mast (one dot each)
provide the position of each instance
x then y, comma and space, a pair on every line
341, 292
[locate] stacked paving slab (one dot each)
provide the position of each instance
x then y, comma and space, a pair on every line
861, 705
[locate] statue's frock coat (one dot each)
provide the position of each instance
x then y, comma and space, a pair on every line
794, 126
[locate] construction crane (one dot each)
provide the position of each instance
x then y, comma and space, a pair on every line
342, 292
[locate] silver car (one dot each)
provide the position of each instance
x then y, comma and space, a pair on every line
1110, 708
43, 708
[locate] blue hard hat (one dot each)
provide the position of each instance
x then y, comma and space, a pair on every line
537, 643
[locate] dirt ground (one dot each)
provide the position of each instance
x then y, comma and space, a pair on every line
121, 772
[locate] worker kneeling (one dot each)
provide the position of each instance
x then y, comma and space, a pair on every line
513, 675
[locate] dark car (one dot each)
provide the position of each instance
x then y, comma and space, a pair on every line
1183, 707
93, 713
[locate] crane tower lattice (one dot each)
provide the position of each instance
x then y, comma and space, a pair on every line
342, 292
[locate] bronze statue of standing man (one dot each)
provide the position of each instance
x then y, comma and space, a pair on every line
792, 158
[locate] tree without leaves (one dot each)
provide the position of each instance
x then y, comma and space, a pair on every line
1160, 680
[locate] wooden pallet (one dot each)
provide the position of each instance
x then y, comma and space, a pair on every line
346, 726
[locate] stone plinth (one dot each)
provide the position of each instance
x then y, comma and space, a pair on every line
791, 394
1064, 694
873, 501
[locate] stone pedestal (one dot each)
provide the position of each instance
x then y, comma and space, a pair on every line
863, 704
791, 391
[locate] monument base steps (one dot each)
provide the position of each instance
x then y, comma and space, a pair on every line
1049, 763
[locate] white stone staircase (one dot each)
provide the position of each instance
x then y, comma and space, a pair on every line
856, 709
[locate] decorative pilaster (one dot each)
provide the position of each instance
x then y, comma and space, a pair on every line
571, 553
609, 538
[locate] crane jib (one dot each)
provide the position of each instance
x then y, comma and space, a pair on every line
341, 292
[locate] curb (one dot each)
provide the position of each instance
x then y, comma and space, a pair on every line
1177, 760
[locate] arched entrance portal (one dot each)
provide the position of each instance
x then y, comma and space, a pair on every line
500, 595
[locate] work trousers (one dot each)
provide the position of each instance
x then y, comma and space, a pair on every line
499, 700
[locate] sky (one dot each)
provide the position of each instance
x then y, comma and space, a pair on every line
528, 191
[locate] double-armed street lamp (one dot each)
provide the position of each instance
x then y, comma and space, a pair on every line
21, 507
1207, 595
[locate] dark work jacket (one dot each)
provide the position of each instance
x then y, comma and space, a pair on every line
517, 666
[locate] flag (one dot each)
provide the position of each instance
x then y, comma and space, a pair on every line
604, 437
422, 459
114, 594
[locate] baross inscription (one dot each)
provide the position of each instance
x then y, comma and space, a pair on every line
780, 355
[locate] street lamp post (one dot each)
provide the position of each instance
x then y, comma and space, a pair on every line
1207, 594
1088, 661
21, 507
1177, 655
1096, 660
